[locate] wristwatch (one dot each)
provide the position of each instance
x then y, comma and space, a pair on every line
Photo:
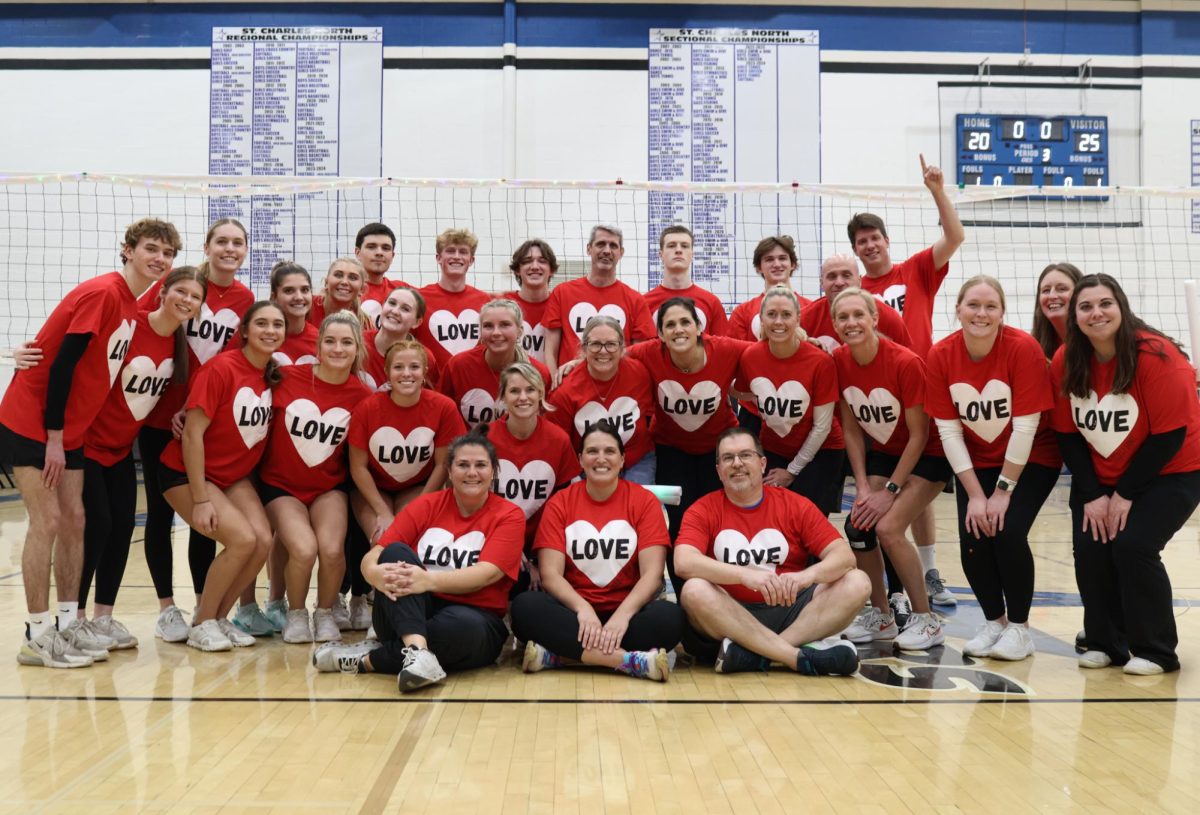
892, 487
1005, 485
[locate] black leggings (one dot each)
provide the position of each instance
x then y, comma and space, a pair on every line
1127, 603
109, 505
159, 518
461, 637
1000, 568
821, 481
538, 617
355, 547
696, 474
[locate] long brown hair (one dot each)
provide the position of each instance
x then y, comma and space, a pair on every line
212, 230
180, 375
272, 375
1043, 330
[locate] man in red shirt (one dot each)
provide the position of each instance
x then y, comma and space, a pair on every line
750, 595
451, 323
675, 249
375, 248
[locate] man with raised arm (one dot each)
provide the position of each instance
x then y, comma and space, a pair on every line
750, 595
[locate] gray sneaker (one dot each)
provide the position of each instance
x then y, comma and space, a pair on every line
939, 595
115, 631
235, 635
341, 614
421, 668
51, 650
298, 629
81, 636
324, 627
171, 627
340, 656
251, 620
360, 614
208, 636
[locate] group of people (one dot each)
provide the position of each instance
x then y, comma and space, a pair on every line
460, 458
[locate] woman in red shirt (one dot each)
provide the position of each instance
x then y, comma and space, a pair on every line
303, 479
601, 548
291, 290
402, 311
533, 264
442, 573
344, 285
882, 386
794, 385
1128, 425
206, 478
988, 386
1054, 287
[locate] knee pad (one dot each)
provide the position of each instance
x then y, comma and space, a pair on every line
861, 540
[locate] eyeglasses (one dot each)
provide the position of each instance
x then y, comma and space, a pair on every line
597, 347
745, 457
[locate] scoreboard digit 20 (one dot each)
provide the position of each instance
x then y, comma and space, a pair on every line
1040, 151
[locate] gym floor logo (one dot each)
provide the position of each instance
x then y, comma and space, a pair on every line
940, 668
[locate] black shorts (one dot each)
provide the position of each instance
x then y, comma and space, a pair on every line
932, 468
169, 478
27, 452
776, 618
821, 481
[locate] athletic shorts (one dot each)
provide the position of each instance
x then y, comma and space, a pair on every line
169, 478
776, 618
932, 468
27, 452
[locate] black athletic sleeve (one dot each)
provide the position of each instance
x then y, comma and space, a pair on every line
62, 371
1148, 461
1079, 461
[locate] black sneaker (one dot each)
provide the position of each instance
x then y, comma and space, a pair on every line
733, 658
827, 658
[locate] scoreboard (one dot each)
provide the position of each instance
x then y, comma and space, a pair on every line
1040, 151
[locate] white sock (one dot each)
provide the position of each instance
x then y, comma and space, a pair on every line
928, 557
67, 612
40, 623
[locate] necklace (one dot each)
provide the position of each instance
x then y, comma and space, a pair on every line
612, 383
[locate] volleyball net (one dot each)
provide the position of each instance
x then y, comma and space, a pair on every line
59, 229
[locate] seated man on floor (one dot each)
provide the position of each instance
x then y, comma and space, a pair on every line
750, 595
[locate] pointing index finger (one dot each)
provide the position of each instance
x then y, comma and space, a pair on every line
924, 166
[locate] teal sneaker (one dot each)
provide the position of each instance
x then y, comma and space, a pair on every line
276, 612
252, 621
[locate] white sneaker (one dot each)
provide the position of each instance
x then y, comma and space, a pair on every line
297, 628
923, 631
936, 588
208, 636
1142, 667
235, 635
871, 624
80, 635
341, 614
1094, 659
325, 629
1014, 644
421, 668
360, 614
115, 631
338, 656
371, 634
51, 650
171, 627
981, 644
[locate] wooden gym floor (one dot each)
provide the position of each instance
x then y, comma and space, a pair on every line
166, 728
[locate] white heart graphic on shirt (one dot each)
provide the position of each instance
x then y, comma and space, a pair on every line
455, 332
894, 296
374, 310
400, 456
877, 413
252, 415
756, 326
143, 382
781, 408
477, 405
690, 409
118, 348
314, 434
1107, 422
533, 340
601, 554
440, 551
284, 360
624, 413
699, 314
580, 313
986, 412
208, 334
528, 487
765, 551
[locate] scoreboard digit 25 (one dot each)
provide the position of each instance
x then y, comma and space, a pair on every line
1040, 151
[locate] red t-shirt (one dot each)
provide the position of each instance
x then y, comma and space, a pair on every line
1012, 380
1161, 398
534, 338
298, 349
909, 288
400, 441
235, 397
475, 387
785, 392
374, 373
531, 469
602, 539
691, 410
627, 400
103, 307
573, 303
879, 393
708, 306
306, 453
745, 323
451, 323
776, 535
208, 334
446, 540
143, 380
816, 320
